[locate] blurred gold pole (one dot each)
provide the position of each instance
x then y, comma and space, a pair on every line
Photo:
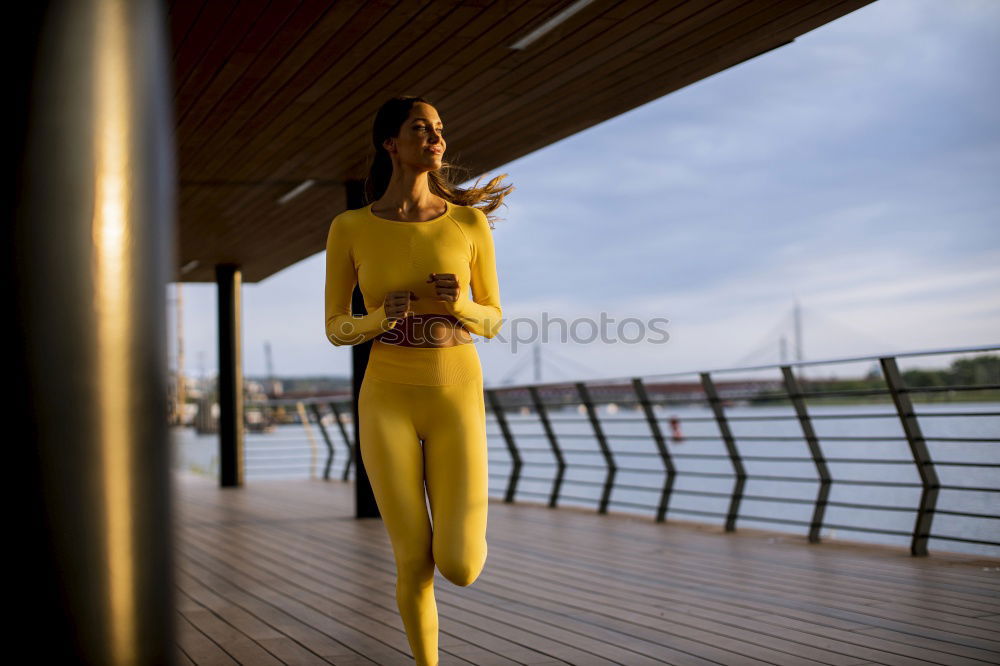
94, 219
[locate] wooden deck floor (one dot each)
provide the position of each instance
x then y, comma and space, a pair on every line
281, 573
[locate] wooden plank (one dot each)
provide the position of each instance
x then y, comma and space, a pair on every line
344, 35
204, 29
182, 658
241, 648
293, 654
570, 586
198, 647
331, 116
600, 601
372, 71
302, 628
644, 67
199, 596
340, 586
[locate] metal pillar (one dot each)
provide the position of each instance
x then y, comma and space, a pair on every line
90, 253
231, 440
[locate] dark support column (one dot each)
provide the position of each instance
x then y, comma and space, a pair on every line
364, 497
229, 280
90, 249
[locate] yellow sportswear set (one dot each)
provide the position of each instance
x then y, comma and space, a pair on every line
414, 395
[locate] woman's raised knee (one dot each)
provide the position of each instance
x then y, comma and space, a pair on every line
460, 573
460, 569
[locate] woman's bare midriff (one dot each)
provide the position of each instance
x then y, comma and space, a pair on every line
432, 330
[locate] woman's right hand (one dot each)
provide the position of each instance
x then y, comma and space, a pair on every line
397, 304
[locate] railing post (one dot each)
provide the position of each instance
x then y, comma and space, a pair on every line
661, 446
543, 416
921, 455
508, 437
326, 439
603, 442
304, 417
734, 455
348, 441
798, 401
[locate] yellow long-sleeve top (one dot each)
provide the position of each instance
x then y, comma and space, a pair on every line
388, 255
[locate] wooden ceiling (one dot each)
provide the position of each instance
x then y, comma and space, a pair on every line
270, 94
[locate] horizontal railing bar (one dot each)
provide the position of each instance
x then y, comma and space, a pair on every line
540, 479
869, 530
619, 379
296, 466
832, 361
966, 514
847, 505
768, 417
532, 493
843, 393
741, 438
885, 391
941, 389
787, 521
763, 397
756, 477
981, 542
723, 456
782, 438
267, 449
766, 498
924, 415
764, 438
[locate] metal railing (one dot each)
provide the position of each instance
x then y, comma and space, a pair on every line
544, 405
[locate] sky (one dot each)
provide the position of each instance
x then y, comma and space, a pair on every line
853, 171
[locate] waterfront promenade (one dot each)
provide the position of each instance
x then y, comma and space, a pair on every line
281, 572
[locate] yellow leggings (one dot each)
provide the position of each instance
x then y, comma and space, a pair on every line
422, 417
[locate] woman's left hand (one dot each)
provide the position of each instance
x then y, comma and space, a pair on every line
447, 288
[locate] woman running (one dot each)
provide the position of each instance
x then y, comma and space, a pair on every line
416, 249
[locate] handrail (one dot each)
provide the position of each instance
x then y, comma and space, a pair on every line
537, 400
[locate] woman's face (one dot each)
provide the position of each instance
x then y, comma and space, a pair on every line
420, 145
